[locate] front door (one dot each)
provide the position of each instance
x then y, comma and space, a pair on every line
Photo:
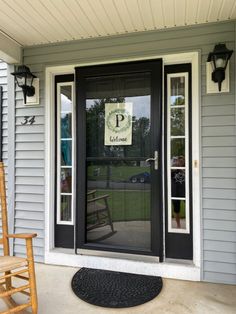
119, 158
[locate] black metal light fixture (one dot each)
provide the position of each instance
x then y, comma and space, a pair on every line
219, 59
24, 79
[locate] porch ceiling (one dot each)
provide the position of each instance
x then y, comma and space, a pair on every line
49, 21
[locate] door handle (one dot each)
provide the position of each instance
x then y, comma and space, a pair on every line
155, 159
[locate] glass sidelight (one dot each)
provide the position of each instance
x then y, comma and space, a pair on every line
177, 152
122, 207
65, 148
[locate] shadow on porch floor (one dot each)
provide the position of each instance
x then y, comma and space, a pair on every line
56, 297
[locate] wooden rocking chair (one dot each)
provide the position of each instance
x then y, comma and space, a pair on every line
98, 211
12, 266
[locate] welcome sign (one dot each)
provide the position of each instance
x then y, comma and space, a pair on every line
118, 123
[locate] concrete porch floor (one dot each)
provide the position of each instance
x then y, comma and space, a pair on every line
56, 297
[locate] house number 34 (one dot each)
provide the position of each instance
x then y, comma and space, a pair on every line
28, 120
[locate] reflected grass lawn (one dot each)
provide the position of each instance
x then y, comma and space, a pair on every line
128, 205
131, 205
117, 173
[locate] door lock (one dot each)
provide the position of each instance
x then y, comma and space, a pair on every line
155, 159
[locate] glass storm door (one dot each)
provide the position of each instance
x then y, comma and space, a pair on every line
119, 184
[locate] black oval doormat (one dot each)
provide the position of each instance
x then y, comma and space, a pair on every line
114, 289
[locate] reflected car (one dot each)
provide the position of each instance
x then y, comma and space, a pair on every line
143, 177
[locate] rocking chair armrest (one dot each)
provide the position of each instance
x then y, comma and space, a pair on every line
22, 235
97, 198
91, 192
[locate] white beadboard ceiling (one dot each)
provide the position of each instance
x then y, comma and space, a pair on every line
34, 22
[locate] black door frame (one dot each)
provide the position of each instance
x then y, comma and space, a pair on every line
63, 234
179, 245
81, 73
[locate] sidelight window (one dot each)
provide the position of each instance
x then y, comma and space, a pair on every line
65, 153
178, 152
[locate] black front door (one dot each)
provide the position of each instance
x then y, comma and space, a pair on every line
119, 192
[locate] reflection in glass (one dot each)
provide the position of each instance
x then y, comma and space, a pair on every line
178, 214
140, 128
66, 98
66, 125
118, 204
66, 152
177, 91
178, 183
118, 178
177, 121
65, 208
66, 176
130, 88
177, 152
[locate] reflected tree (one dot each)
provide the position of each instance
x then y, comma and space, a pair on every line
95, 116
95, 120
178, 127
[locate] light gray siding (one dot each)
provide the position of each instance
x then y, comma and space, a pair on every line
29, 175
219, 183
217, 135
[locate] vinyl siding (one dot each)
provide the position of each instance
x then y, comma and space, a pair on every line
218, 137
219, 183
29, 176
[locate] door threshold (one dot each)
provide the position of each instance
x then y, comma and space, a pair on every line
135, 257
179, 261
137, 265
94, 253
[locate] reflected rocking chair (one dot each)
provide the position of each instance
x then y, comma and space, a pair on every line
15, 267
98, 212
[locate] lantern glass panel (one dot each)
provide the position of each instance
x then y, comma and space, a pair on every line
29, 80
20, 80
220, 62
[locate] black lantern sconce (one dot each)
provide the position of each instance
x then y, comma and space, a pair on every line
219, 59
24, 79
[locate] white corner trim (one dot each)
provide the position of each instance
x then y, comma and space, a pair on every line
168, 270
196, 165
49, 237
11, 149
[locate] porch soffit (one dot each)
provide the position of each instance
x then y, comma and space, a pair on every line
38, 22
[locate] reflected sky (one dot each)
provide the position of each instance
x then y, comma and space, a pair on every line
65, 103
141, 105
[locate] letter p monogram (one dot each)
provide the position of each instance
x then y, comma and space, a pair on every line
119, 117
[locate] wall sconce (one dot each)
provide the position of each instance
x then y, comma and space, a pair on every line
24, 79
219, 59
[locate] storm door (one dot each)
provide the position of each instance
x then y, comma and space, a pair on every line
119, 184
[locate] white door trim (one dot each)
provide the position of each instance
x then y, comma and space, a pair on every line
171, 270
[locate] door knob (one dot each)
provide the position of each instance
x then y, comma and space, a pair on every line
155, 159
